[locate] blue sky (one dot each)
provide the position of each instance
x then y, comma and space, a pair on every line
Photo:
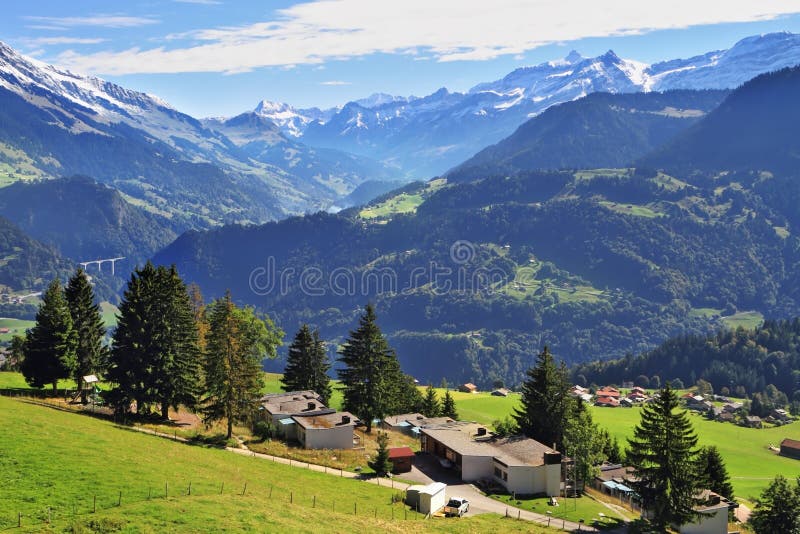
221, 57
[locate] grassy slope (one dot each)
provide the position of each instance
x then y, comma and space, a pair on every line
60, 460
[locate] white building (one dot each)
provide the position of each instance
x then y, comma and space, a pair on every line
326, 431
522, 465
279, 408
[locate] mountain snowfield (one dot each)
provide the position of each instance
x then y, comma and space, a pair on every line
427, 136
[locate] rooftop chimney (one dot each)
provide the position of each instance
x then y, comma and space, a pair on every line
311, 406
345, 419
481, 431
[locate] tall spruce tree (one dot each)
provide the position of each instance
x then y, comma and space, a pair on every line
431, 407
712, 472
155, 357
545, 401
449, 406
370, 374
307, 365
51, 343
179, 379
663, 455
91, 353
237, 343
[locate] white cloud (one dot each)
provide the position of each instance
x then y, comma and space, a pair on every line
447, 30
43, 41
335, 82
104, 21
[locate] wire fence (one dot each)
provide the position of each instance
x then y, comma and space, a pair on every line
65, 510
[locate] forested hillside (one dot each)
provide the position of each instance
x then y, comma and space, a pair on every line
86, 220
729, 359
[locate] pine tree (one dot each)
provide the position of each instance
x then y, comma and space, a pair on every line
381, 463
199, 313
238, 341
51, 343
778, 508
712, 472
430, 403
545, 401
449, 406
662, 454
91, 353
155, 357
307, 365
371, 373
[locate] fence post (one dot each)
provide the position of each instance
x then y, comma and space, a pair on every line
119, 501
244, 489
314, 503
355, 508
291, 497
190, 488
149, 493
270, 491
94, 505
221, 487
166, 489
48, 515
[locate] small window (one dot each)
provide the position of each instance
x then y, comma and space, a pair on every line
497, 472
505, 476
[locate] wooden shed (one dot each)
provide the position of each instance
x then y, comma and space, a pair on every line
401, 458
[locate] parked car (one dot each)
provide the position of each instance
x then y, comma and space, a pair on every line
456, 506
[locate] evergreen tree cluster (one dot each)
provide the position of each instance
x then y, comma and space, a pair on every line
67, 339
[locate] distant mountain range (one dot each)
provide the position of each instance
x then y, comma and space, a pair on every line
425, 137
57, 123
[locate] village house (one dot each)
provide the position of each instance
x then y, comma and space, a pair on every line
326, 431
500, 392
753, 421
609, 402
790, 448
608, 391
732, 407
628, 384
521, 465
469, 387
779, 414
580, 392
278, 409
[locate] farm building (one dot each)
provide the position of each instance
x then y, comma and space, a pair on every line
753, 421
613, 479
401, 458
521, 465
468, 388
326, 431
790, 448
500, 392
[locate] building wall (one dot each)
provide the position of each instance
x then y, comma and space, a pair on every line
476, 467
714, 524
790, 452
340, 437
529, 480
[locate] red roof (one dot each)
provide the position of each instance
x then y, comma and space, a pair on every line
401, 452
